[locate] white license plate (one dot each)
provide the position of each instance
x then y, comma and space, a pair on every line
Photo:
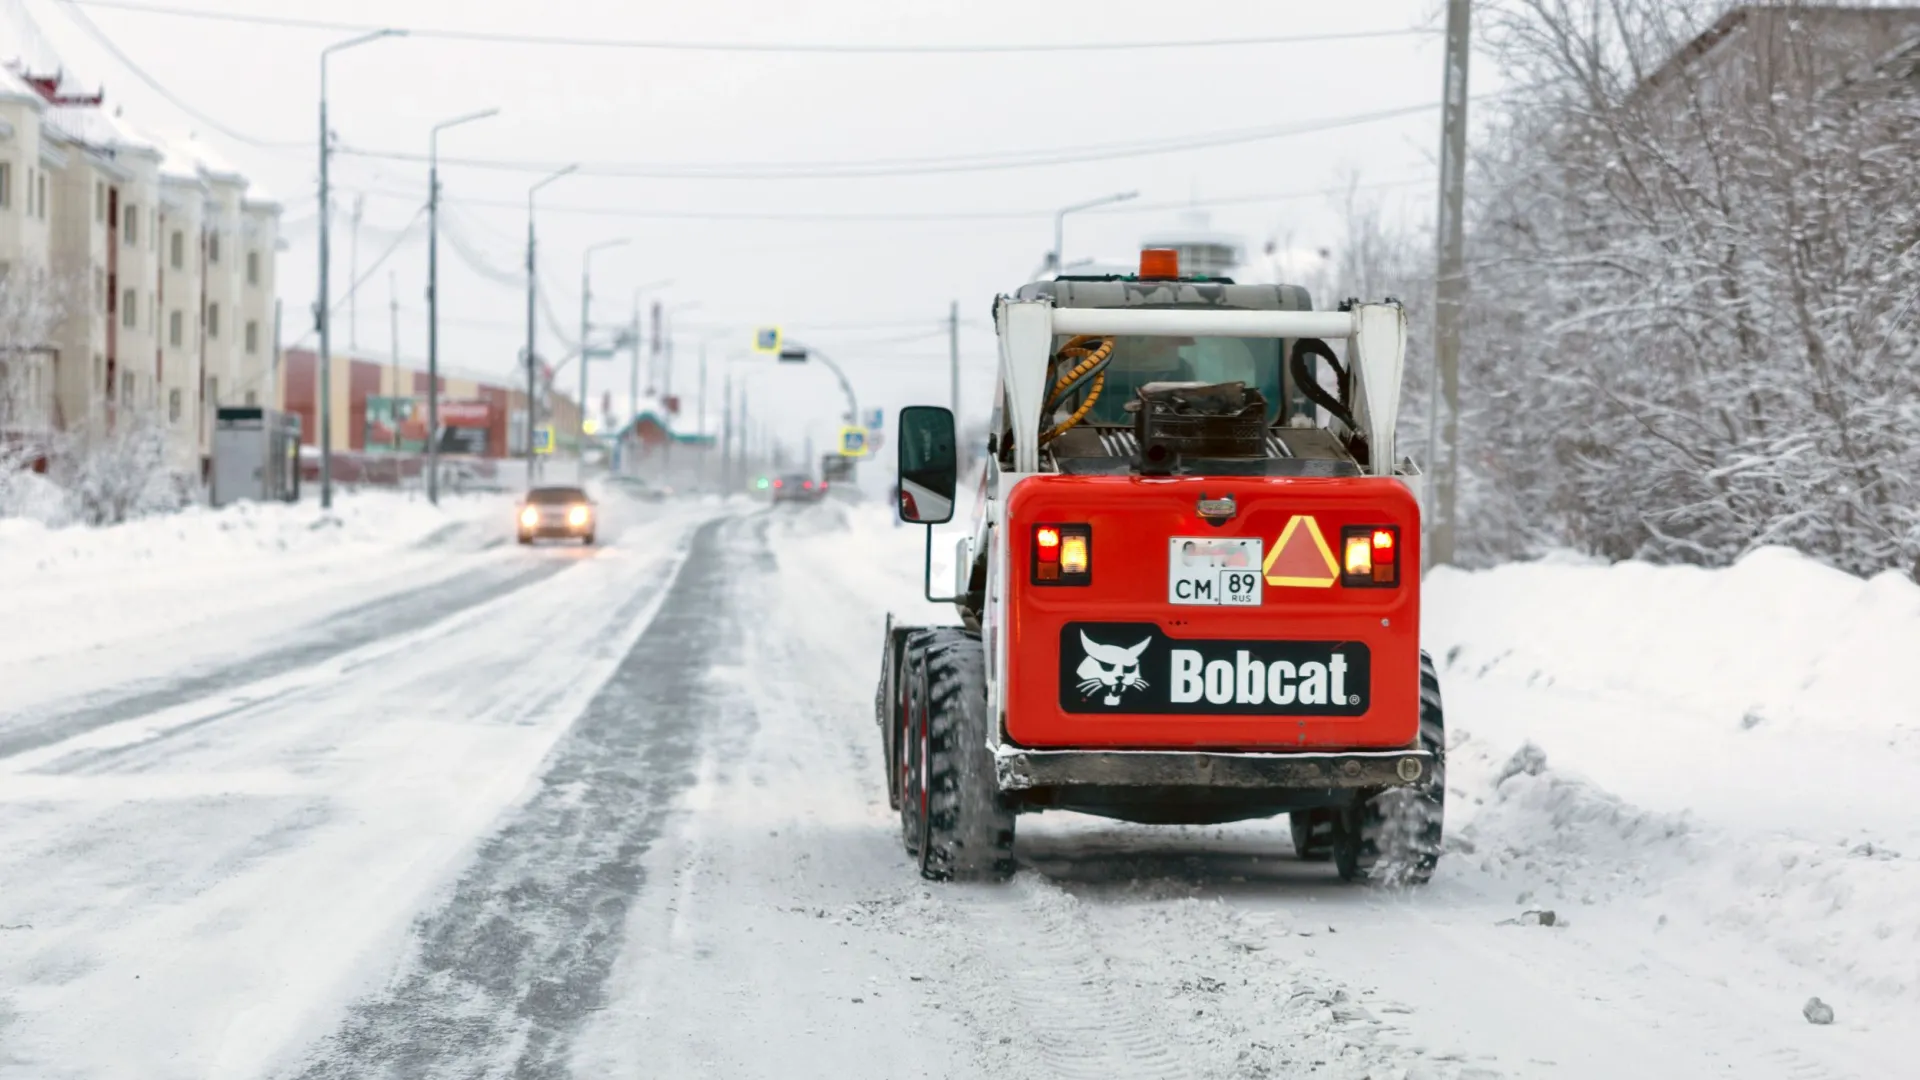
1213, 570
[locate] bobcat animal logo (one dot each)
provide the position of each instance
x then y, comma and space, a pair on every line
1112, 668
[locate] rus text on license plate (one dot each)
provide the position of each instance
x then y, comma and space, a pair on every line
1213, 570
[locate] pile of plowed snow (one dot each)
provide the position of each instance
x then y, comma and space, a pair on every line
1731, 749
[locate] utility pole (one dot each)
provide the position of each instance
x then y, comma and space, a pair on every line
323, 304
653, 354
953, 363
433, 296
633, 383
279, 391
533, 364
1450, 290
586, 328
353, 274
393, 323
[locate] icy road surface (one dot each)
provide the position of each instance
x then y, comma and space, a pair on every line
455, 808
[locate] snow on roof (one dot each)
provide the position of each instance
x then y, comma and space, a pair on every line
197, 159
259, 197
94, 127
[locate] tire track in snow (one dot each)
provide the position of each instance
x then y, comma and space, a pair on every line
1069, 1005
515, 960
356, 627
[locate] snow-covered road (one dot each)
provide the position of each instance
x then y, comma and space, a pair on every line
618, 812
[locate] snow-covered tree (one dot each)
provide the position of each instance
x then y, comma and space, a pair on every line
1695, 255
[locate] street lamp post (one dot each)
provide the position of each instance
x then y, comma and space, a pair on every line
322, 306
586, 327
532, 286
433, 296
1060, 222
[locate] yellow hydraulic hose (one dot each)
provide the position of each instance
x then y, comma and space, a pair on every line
1091, 358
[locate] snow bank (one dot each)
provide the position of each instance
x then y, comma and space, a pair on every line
1776, 639
1728, 752
172, 590
199, 535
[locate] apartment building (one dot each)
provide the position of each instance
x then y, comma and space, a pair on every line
156, 261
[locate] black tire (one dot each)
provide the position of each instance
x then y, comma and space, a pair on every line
525, 539
967, 830
1313, 833
1394, 837
909, 715
907, 743
587, 540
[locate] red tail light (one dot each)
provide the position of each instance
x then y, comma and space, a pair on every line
1062, 555
776, 483
1370, 556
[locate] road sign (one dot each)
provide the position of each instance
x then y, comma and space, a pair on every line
543, 439
853, 442
766, 339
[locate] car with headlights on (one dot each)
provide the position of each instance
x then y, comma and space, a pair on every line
563, 512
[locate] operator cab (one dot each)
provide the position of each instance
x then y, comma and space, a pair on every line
1224, 406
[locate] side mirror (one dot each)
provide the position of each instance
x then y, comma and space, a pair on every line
929, 470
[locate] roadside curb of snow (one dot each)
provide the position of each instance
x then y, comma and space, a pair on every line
1840, 909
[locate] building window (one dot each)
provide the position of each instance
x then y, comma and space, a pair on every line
178, 250
213, 247
6, 185
131, 227
173, 406
130, 309
253, 336
126, 389
153, 232
40, 193
253, 268
213, 392
100, 288
100, 201
173, 327
253, 397
213, 320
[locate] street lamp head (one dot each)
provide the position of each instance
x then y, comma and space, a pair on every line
467, 119
371, 35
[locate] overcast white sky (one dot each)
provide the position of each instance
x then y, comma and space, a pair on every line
854, 288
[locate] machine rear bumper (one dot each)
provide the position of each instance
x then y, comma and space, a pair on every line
1021, 769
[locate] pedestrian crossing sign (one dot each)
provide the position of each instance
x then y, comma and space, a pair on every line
543, 439
853, 442
766, 339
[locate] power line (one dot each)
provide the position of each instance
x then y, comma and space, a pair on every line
915, 166
883, 216
86, 24
670, 45
399, 238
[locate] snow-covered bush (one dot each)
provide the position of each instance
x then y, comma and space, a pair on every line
121, 472
1695, 263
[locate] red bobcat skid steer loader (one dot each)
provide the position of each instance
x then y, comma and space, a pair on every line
1192, 589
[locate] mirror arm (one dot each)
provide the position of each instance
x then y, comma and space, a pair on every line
926, 573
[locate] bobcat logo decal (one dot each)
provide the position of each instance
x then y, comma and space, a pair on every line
1113, 668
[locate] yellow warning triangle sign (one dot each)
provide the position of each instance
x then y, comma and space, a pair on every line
1301, 556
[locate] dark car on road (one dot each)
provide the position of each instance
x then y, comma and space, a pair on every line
564, 512
798, 487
